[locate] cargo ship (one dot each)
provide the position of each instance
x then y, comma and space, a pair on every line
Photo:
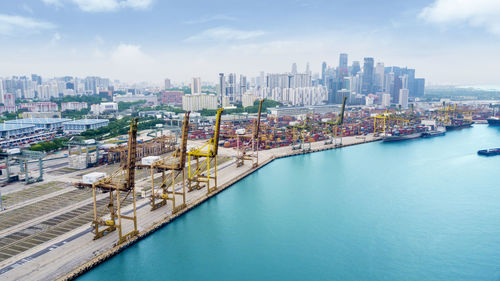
493, 121
459, 124
489, 152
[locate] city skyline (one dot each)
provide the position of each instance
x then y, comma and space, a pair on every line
146, 40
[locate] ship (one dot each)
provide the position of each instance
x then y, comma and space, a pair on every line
391, 138
493, 121
458, 124
440, 131
489, 152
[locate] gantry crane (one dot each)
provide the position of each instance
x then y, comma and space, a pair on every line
336, 124
385, 118
303, 130
176, 165
203, 156
242, 150
122, 181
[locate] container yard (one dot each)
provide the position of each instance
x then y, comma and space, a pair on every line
101, 198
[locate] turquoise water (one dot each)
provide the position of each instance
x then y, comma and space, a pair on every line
426, 209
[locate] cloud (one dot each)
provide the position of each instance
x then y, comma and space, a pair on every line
478, 13
27, 8
128, 54
206, 19
225, 34
11, 24
93, 6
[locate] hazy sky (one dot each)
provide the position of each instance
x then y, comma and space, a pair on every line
447, 41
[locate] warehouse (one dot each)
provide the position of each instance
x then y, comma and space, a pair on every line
16, 130
50, 124
78, 126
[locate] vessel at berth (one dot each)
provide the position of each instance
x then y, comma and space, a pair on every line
459, 124
392, 138
493, 121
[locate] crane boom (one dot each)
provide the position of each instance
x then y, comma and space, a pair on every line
257, 124
341, 117
215, 139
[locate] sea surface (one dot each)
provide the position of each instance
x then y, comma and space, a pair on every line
424, 209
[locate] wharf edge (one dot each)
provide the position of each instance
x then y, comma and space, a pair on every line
94, 262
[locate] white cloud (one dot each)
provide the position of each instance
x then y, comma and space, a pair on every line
224, 34
206, 19
128, 54
12, 24
27, 8
103, 5
478, 13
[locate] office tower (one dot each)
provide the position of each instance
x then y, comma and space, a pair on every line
343, 70
221, 90
36, 78
243, 85
367, 83
404, 81
411, 81
323, 74
168, 85
403, 98
231, 87
379, 77
355, 68
294, 68
386, 100
308, 68
1, 91
419, 87
398, 85
196, 85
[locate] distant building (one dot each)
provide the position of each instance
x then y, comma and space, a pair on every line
196, 102
15, 130
367, 82
196, 85
39, 106
419, 87
403, 98
50, 124
247, 99
73, 106
168, 84
386, 100
78, 126
149, 99
54, 114
106, 94
171, 97
103, 107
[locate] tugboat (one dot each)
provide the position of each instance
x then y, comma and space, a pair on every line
489, 152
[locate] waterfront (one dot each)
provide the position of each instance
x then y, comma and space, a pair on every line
415, 210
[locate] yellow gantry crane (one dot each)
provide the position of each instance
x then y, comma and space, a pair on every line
176, 165
300, 132
201, 173
383, 121
122, 181
242, 151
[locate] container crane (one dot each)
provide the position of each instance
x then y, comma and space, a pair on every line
242, 151
203, 156
176, 165
122, 181
339, 123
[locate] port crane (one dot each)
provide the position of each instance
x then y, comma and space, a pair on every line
336, 124
120, 186
200, 174
242, 150
383, 121
300, 133
175, 164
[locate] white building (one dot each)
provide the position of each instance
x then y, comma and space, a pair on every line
105, 106
196, 102
247, 99
73, 106
403, 98
386, 100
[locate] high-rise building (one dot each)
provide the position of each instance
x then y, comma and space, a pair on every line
355, 68
168, 84
419, 87
196, 85
403, 98
398, 85
323, 73
243, 86
367, 83
343, 70
308, 68
379, 77
221, 89
294, 68
386, 100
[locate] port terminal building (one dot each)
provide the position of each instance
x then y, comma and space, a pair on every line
301, 110
78, 126
48, 124
16, 130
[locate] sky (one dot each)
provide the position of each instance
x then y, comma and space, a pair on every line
448, 42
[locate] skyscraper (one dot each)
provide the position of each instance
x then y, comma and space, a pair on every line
403, 98
343, 70
221, 89
196, 85
355, 68
419, 87
379, 77
294, 68
367, 83
168, 85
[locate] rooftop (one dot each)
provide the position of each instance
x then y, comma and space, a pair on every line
10, 127
87, 121
37, 121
